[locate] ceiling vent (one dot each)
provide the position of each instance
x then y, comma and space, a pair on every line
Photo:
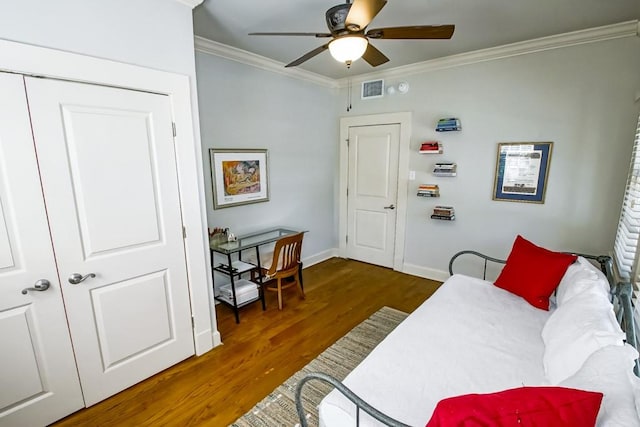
373, 89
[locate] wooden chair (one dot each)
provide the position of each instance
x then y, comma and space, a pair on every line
285, 270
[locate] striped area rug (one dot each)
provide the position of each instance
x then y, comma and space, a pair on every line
279, 409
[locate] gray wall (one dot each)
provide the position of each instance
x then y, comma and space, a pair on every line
152, 33
246, 107
581, 98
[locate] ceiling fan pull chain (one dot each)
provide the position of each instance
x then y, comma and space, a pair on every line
349, 94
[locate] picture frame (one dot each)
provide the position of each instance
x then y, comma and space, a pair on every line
522, 169
239, 176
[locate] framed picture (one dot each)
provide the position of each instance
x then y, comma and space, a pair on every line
239, 176
522, 169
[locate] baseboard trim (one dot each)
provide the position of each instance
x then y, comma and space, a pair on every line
204, 341
425, 272
319, 257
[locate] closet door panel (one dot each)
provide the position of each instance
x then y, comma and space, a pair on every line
38, 375
109, 177
107, 147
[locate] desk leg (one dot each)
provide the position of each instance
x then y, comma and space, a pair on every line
264, 305
233, 290
213, 276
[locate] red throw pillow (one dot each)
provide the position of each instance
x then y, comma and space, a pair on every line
533, 272
519, 407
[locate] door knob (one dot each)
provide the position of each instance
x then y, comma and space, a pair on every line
76, 278
40, 285
390, 207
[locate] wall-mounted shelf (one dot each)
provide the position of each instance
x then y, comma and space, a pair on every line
449, 125
430, 147
445, 169
429, 190
446, 213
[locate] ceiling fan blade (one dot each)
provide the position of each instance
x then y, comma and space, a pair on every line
362, 13
292, 34
415, 32
308, 55
373, 56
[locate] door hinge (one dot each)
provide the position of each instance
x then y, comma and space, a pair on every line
193, 322
347, 238
347, 191
184, 232
173, 126
347, 142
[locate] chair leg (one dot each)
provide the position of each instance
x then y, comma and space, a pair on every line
279, 294
300, 276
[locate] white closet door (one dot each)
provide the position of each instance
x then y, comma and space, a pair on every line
38, 377
108, 169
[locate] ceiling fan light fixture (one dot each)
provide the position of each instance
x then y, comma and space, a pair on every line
348, 48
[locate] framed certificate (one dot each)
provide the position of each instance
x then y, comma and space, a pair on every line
522, 169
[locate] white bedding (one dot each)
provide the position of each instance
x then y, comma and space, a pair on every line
437, 364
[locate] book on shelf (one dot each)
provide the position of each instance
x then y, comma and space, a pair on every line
445, 169
245, 291
444, 217
443, 210
451, 124
431, 147
429, 190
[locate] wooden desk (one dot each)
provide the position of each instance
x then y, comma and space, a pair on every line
236, 269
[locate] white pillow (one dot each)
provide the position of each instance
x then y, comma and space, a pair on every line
610, 371
575, 330
581, 276
589, 265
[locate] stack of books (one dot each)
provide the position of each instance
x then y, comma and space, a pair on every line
245, 291
444, 212
429, 190
445, 169
431, 147
447, 125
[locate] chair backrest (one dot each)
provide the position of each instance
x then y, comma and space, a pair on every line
286, 254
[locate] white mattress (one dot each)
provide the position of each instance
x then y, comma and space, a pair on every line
424, 359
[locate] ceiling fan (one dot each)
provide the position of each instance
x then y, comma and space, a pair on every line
347, 24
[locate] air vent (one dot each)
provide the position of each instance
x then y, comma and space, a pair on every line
373, 89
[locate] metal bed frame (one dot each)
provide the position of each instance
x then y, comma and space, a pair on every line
621, 296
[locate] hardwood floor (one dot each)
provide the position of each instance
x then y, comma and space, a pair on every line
262, 351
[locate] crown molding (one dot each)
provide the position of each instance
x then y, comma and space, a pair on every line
592, 35
191, 3
218, 49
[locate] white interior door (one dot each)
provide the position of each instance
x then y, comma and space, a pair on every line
108, 169
372, 193
38, 376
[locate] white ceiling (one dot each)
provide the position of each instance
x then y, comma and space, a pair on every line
479, 24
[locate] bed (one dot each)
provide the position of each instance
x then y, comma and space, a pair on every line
474, 339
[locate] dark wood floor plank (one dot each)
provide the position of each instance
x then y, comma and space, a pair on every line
260, 353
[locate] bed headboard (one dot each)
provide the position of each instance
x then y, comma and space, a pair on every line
621, 292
